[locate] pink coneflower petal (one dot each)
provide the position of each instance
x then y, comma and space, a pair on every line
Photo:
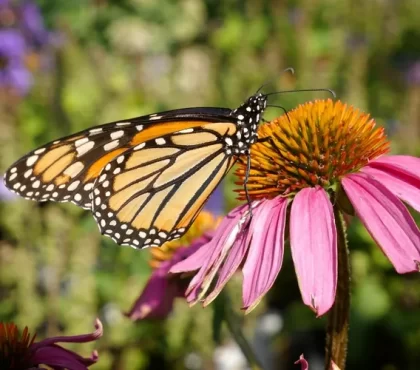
403, 185
204, 255
387, 220
406, 163
233, 260
265, 254
211, 256
313, 240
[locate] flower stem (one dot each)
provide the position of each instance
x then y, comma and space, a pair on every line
338, 318
234, 324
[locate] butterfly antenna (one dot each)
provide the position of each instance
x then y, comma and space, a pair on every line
303, 90
284, 110
290, 69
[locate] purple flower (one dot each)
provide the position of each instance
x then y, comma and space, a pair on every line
22, 353
6, 194
13, 73
32, 24
324, 159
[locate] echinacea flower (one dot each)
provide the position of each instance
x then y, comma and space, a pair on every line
13, 72
21, 352
321, 160
158, 296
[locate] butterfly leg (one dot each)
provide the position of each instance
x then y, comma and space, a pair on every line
248, 170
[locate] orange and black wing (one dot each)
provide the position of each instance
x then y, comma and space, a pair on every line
153, 192
67, 169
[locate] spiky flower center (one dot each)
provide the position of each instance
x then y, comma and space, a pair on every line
14, 348
204, 222
315, 144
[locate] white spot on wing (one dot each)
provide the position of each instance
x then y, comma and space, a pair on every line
39, 151
140, 146
81, 141
31, 160
160, 141
117, 134
155, 117
74, 169
95, 130
13, 176
111, 145
73, 185
85, 148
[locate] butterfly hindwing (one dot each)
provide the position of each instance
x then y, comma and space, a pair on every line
153, 192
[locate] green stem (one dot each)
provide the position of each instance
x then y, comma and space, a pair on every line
338, 318
234, 324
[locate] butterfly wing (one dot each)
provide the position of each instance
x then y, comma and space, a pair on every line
153, 192
66, 170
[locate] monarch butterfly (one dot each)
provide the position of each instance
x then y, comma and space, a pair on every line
144, 179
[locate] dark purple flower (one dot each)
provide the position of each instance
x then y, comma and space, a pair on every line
13, 73
32, 24
22, 352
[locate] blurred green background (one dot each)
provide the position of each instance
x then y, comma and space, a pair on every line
95, 61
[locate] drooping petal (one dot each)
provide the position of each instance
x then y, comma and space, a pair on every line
406, 163
202, 256
404, 186
231, 264
84, 338
209, 258
48, 352
265, 255
313, 240
400, 174
61, 358
387, 220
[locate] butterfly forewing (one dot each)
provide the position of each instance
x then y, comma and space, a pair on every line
66, 170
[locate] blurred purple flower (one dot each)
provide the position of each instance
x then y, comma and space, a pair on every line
22, 352
215, 203
157, 299
32, 24
6, 194
413, 74
13, 73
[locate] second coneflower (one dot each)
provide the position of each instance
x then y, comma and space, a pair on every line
323, 160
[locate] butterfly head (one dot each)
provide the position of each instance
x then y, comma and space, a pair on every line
248, 116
